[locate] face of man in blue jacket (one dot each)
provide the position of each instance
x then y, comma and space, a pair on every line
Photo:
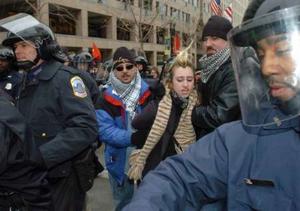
125, 72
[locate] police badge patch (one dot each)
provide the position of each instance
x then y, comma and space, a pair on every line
78, 87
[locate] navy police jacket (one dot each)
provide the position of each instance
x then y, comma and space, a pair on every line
10, 82
56, 105
21, 171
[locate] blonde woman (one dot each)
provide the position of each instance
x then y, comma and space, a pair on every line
164, 128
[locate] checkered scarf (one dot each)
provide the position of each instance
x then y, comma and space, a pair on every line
129, 93
209, 65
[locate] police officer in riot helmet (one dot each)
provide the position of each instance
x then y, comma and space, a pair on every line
6, 59
103, 73
83, 62
142, 65
55, 102
251, 164
9, 77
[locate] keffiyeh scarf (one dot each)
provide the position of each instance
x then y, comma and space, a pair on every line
209, 65
129, 93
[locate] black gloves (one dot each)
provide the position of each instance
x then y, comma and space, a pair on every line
157, 89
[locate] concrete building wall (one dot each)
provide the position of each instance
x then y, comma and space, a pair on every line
198, 11
118, 9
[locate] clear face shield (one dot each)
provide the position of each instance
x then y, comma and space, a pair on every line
266, 58
22, 27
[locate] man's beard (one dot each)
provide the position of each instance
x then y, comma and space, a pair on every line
291, 81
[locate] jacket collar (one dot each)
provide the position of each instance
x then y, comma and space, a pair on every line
293, 123
111, 96
49, 69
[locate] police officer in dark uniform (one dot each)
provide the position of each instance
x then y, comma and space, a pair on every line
56, 104
23, 183
82, 62
9, 77
142, 64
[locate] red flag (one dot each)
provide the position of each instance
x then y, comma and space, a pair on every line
96, 53
215, 6
176, 43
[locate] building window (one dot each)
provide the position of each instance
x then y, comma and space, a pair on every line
161, 33
148, 4
127, 1
123, 29
147, 32
188, 18
63, 20
97, 25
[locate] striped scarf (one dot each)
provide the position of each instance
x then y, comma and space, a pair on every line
184, 134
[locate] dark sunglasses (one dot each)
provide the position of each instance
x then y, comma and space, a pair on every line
127, 66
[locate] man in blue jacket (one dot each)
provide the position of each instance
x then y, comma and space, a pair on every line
127, 93
254, 164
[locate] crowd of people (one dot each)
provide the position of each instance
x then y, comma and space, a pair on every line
220, 136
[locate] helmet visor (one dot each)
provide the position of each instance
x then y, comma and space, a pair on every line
265, 54
22, 27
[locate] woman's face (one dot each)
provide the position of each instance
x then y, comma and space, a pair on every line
183, 81
154, 74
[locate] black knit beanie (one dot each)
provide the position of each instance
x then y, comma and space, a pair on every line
217, 26
123, 55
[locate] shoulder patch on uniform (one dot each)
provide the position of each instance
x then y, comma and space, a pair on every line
78, 87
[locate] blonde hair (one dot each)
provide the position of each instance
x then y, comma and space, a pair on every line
183, 59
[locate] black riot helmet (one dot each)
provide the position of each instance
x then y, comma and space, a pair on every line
83, 61
7, 54
252, 30
83, 57
265, 54
24, 27
141, 60
142, 64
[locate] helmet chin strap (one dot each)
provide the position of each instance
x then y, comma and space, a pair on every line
27, 64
